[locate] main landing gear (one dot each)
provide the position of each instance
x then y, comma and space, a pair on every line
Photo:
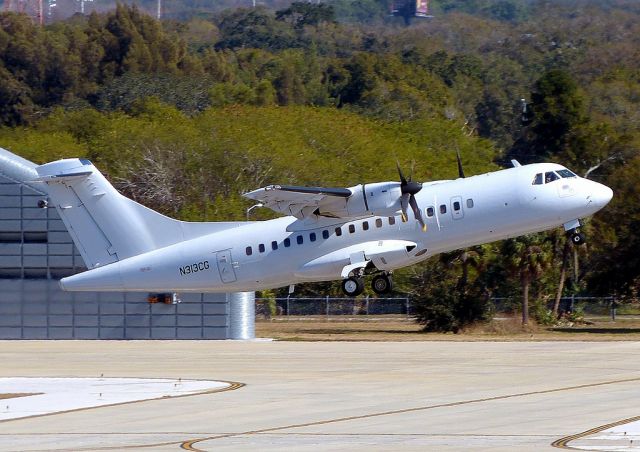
354, 285
382, 283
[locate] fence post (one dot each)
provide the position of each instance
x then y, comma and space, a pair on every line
366, 306
406, 304
288, 306
573, 301
614, 305
326, 308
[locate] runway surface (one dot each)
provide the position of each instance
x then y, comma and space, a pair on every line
341, 396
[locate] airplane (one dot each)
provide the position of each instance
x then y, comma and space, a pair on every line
326, 234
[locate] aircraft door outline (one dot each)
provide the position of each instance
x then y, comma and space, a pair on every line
225, 266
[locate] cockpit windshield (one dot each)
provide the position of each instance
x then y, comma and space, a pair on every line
550, 176
566, 173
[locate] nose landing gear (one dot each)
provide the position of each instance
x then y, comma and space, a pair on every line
573, 232
577, 237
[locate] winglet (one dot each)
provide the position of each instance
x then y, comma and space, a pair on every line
515, 163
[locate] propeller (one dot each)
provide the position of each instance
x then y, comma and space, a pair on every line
409, 189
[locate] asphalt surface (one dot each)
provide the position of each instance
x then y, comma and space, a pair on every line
337, 396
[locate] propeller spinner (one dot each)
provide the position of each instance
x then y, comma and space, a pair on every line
409, 189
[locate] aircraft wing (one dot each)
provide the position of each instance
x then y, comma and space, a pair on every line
302, 202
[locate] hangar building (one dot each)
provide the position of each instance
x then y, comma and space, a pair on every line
36, 251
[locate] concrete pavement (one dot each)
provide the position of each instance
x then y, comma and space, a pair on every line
335, 396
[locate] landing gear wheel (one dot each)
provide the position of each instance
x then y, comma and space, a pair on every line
352, 286
382, 284
578, 238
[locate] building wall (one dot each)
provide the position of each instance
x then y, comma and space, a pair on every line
36, 251
38, 309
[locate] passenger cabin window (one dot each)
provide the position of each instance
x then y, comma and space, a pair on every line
392, 221
287, 242
274, 245
312, 237
550, 176
261, 247
456, 206
352, 229
430, 211
443, 208
325, 234
299, 239
470, 203
566, 173
378, 222
365, 225
249, 251
338, 231
537, 180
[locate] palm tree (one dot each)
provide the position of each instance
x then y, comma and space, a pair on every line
468, 257
563, 276
526, 258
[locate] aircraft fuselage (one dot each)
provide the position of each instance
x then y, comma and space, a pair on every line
284, 251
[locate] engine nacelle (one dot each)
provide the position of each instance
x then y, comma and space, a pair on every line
380, 199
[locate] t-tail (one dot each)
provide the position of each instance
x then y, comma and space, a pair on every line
106, 226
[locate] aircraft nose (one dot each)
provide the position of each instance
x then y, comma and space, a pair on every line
600, 194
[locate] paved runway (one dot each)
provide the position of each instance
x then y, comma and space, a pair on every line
337, 396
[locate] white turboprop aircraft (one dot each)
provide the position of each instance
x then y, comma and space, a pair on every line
328, 233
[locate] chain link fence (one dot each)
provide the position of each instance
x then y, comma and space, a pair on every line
331, 306
608, 306
400, 307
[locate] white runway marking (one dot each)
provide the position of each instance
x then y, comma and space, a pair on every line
53, 395
624, 437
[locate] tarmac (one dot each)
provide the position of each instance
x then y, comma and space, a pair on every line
493, 396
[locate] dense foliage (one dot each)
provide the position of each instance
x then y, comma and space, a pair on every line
185, 115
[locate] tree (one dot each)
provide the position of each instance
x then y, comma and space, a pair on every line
300, 14
526, 258
453, 290
16, 106
254, 28
558, 111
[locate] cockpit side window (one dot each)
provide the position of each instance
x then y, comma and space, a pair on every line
566, 173
537, 180
550, 176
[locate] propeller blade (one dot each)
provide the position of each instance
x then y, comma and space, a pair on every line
403, 181
460, 170
404, 204
417, 213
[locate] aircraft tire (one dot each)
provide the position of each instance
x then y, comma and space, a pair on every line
382, 284
578, 238
352, 287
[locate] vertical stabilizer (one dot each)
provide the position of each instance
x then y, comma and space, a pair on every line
106, 226
98, 218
